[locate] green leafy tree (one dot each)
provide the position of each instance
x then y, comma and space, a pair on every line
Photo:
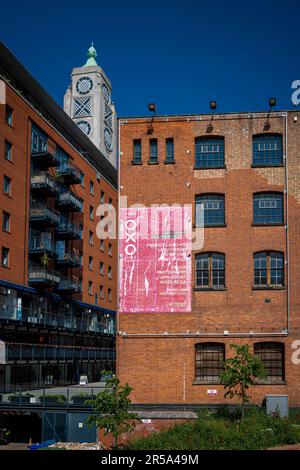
112, 406
240, 372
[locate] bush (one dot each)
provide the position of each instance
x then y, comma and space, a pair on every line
214, 432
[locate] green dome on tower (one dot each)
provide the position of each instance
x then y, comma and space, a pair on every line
91, 54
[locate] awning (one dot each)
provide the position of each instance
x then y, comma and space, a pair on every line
94, 307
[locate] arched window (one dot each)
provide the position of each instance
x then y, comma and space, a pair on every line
267, 150
209, 361
210, 270
268, 208
213, 206
272, 357
268, 269
209, 152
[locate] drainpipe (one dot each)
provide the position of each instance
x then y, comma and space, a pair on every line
286, 166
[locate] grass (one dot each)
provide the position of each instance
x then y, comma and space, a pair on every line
223, 431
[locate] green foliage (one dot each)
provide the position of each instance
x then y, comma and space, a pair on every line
210, 432
240, 372
45, 260
112, 406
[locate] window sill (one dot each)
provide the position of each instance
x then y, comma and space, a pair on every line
6, 267
211, 226
210, 289
210, 167
152, 163
6, 231
169, 163
270, 382
136, 163
206, 382
281, 224
276, 165
9, 160
7, 195
268, 287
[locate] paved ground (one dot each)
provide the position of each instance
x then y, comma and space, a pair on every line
14, 446
288, 447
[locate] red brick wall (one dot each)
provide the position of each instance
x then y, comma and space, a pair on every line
163, 369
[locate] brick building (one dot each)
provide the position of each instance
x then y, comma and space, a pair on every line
243, 170
58, 281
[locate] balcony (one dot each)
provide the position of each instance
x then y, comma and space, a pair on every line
68, 231
42, 183
68, 173
44, 153
43, 216
68, 260
40, 276
41, 243
68, 202
70, 284
35, 352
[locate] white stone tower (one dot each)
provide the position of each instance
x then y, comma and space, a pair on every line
88, 102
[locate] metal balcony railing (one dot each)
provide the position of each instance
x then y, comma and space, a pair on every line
69, 230
41, 243
69, 173
69, 202
44, 152
44, 183
41, 214
40, 275
70, 284
68, 259
53, 319
37, 352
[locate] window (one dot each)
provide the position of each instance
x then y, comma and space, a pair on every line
210, 270
102, 197
153, 151
81, 177
101, 292
8, 115
91, 238
92, 188
169, 150
268, 208
7, 185
96, 298
5, 222
7, 151
267, 150
90, 288
209, 365
109, 272
5, 257
137, 151
272, 357
109, 294
101, 267
91, 212
214, 209
268, 269
209, 152
110, 202
102, 245
90, 263
109, 249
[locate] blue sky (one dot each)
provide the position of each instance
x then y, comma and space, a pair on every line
178, 54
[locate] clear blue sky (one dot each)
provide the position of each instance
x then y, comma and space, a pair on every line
179, 53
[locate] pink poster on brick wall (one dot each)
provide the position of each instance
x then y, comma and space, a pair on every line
155, 259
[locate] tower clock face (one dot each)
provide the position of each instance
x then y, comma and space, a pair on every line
106, 93
84, 85
84, 126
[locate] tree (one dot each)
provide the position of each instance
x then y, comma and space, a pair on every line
112, 407
240, 372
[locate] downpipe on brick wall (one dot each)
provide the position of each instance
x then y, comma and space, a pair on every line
286, 167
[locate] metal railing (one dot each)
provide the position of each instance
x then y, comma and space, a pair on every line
37, 352
41, 275
44, 318
69, 228
69, 199
67, 170
43, 213
70, 283
41, 243
42, 180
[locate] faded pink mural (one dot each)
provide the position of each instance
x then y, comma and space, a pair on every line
155, 259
